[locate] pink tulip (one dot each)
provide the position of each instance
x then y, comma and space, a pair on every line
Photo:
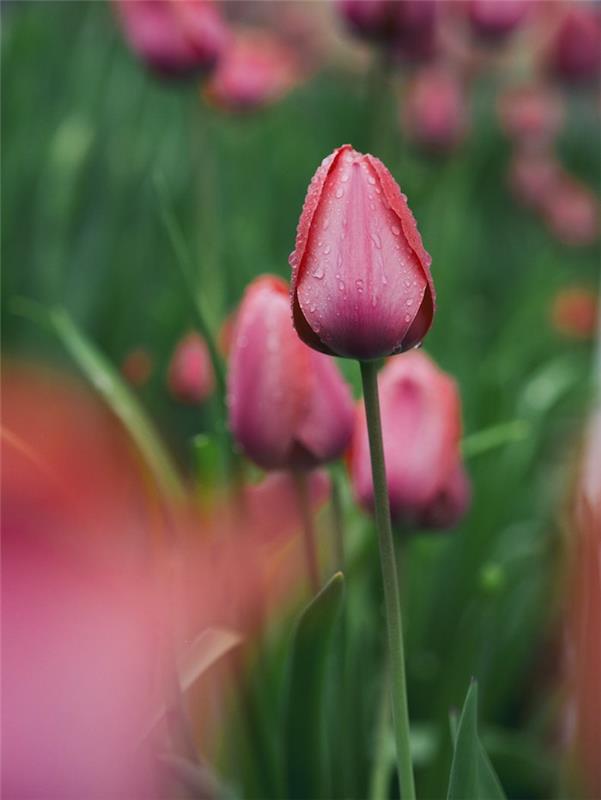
255, 71
496, 19
571, 211
174, 37
361, 283
406, 25
289, 406
191, 378
530, 115
575, 51
434, 113
532, 175
421, 426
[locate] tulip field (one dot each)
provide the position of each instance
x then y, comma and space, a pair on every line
301, 435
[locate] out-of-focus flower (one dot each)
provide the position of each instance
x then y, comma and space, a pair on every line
574, 54
174, 37
256, 70
407, 26
361, 283
190, 378
137, 366
571, 212
532, 176
530, 114
496, 19
434, 113
575, 312
289, 406
421, 426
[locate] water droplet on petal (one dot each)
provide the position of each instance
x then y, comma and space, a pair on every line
371, 180
318, 272
344, 177
341, 286
326, 249
359, 284
396, 230
376, 240
339, 192
407, 317
409, 302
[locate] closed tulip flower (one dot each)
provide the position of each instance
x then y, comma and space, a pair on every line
256, 70
406, 25
361, 283
288, 405
496, 19
575, 313
421, 425
434, 113
174, 37
191, 378
572, 212
575, 51
530, 115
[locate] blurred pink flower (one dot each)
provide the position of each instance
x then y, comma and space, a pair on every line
256, 70
421, 426
434, 112
190, 378
575, 312
289, 406
571, 211
574, 54
530, 114
372, 19
358, 259
174, 37
532, 175
496, 19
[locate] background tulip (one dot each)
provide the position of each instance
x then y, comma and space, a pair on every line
530, 115
495, 19
361, 284
174, 37
421, 425
434, 112
289, 406
257, 69
571, 211
575, 51
191, 377
575, 313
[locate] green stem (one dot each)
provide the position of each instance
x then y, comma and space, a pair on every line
337, 523
394, 624
300, 480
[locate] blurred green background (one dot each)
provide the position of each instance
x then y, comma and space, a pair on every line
85, 131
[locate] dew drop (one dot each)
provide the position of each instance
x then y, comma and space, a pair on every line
339, 192
376, 240
341, 286
371, 180
359, 284
344, 177
396, 230
409, 302
326, 249
407, 284
339, 260
318, 272
407, 317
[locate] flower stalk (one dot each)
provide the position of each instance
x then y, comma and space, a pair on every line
394, 624
310, 547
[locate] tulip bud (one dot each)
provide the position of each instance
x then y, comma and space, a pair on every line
289, 406
496, 19
255, 71
532, 175
361, 283
406, 25
416, 30
191, 379
174, 37
434, 112
371, 19
571, 211
575, 50
421, 427
575, 313
530, 115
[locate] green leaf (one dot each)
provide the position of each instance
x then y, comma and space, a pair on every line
303, 716
472, 774
108, 383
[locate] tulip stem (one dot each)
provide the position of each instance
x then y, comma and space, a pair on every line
304, 505
394, 624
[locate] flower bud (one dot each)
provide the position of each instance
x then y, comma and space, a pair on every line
575, 51
421, 427
532, 175
530, 115
575, 313
496, 19
370, 19
406, 25
174, 37
434, 113
361, 283
256, 70
288, 405
571, 212
190, 378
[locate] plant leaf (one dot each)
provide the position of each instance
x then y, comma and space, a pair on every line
303, 717
108, 383
472, 775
